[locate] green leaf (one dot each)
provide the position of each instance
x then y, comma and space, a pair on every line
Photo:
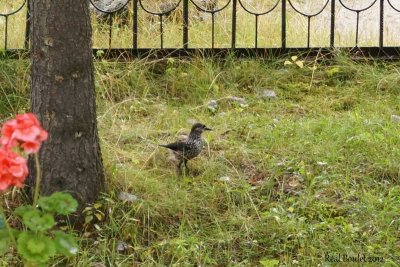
35, 248
97, 205
99, 216
4, 241
66, 243
88, 219
99, 53
331, 72
269, 263
21, 210
59, 203
36, 221
171, 61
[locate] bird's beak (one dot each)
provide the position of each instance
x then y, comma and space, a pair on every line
207, 129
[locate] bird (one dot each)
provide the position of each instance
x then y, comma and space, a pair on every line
190, 148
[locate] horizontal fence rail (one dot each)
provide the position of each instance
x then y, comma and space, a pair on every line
153, 19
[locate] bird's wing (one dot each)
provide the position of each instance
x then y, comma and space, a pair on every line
177, 146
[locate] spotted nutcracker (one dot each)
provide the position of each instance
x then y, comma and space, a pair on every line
189, 148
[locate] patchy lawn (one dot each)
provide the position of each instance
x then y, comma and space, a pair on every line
299, 178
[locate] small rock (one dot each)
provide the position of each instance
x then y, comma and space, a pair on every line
395, 118
124, 196
212, 105
172, 156
240, 100
267, 94
321, 163
224, 178
122, 246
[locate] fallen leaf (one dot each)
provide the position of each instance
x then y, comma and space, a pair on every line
300, 64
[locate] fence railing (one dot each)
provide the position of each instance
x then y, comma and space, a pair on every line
130, 13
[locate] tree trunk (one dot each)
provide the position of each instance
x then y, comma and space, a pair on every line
63, 97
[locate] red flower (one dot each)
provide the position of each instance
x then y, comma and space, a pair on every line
26, 131
13, 169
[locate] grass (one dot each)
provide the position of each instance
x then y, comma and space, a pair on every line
311, 173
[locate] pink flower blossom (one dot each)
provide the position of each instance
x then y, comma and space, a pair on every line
26, 131
13, 169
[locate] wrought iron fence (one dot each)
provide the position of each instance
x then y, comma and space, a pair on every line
137, 8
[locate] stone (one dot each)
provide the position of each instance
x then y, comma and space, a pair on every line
395, 118
224, 178
267, 94
212, 105
124, 196
239, 100
122, 246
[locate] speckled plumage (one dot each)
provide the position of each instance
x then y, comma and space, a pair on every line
191, 147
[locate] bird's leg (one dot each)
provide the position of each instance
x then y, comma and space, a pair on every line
186, 167
179, 169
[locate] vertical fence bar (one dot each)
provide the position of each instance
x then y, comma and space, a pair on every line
332, 41
212, 30
111, 16
27, 24
135, 24
256, 33
308, 31
357, 26
234, 6
185, 24
161, 32
381, 14
5, 32
283, 25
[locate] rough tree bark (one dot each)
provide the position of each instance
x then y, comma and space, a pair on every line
63, 97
